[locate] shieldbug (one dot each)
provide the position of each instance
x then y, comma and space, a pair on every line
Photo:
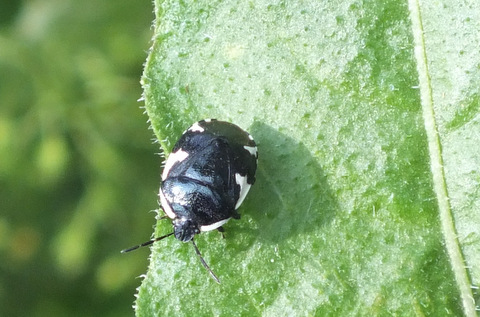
205, 179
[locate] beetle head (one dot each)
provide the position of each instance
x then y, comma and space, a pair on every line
185, 229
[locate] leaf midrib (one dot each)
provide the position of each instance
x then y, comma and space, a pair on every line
436, 163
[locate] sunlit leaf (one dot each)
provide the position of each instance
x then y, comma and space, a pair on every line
345, 217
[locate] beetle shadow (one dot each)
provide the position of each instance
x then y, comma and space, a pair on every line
291, 194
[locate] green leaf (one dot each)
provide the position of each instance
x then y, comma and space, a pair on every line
358, 199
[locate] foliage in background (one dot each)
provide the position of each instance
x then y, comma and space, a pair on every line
345, 216
78, 171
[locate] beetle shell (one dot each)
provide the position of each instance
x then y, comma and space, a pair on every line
207, 176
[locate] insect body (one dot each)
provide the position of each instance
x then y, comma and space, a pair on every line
205, 179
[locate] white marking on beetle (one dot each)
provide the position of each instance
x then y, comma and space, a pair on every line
208, 120
244, 188
251, 149
165, 205
196, 128
250, 137
214, 226
173, 158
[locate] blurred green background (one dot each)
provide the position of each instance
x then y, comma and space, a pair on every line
78, 170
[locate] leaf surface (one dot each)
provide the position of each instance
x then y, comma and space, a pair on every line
346, 216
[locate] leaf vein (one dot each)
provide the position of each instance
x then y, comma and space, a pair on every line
436, 162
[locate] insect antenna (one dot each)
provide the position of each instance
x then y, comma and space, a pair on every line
147, 243
205, 263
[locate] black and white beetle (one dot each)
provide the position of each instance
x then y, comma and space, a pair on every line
205, 180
